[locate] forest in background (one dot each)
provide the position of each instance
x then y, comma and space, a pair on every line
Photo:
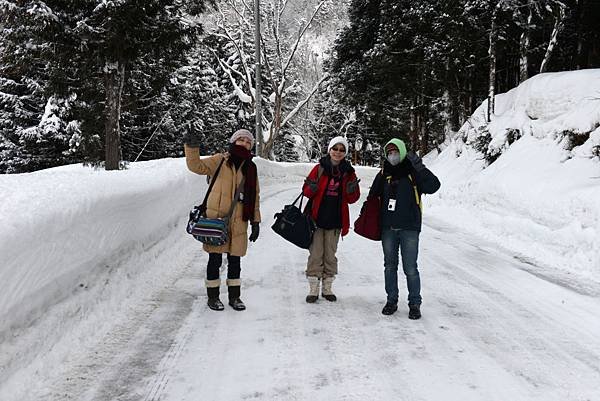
107, 82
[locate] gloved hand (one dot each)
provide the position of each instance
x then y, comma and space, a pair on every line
191, 137
255, 232
415, 160
351, 186
312, 185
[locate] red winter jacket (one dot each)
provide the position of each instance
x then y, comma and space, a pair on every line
317, 197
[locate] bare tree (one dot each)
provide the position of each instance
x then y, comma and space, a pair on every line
558, 9
524, 42
278, 55
114, 75
493, 38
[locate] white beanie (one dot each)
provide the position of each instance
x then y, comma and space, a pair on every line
335, 141
241, 133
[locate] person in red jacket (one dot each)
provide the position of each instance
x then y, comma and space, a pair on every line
331, 185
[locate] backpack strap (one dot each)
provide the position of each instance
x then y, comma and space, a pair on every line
417, 196
320, 172
236, 196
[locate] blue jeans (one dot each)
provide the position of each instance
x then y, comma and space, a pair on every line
407, 242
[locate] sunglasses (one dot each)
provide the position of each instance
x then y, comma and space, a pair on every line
338, 149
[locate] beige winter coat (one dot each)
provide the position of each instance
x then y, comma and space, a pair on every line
219, 200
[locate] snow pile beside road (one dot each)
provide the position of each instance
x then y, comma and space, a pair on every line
538, 198
62, 226
564, 106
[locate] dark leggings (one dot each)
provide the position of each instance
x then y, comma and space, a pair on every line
215, 260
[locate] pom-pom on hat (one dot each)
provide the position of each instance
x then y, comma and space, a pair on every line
241, 133
335, 141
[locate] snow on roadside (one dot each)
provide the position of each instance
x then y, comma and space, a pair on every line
62, 224
539, 198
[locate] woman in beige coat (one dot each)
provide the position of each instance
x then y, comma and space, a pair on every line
237, 165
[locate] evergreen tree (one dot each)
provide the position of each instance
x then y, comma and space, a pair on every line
418, 70
27, 142
108, 57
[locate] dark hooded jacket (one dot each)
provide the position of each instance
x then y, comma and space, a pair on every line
404, 185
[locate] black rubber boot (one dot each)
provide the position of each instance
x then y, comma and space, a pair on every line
214, 302
234, 298
414, 312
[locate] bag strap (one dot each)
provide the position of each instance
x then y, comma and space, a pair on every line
212, 184
238, 190
301, 197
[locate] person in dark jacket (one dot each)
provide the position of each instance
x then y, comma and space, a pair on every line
399, 186
331, 186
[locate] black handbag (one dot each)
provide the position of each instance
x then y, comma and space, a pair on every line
295, 226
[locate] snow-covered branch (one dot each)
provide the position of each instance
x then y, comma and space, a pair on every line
300, 36
301, 104
244, 98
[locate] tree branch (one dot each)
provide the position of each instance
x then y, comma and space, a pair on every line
291, 56
303, 102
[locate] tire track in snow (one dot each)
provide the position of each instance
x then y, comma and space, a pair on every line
515, 324
218, 325
478, 339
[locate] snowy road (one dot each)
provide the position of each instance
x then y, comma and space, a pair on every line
490, 330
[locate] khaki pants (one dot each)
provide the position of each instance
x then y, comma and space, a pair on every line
321, 260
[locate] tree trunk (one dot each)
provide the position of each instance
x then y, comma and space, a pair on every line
467, 100
414, 122
114, 74
524, 47
454, 117
581, 58
267, 149
492, 72
558, 23
424, 131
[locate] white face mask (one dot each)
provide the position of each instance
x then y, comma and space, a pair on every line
394, 158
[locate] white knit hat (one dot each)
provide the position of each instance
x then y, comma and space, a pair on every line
335, 141
241, 133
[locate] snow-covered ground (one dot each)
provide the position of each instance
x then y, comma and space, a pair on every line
102, 298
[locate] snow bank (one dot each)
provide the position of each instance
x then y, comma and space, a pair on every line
546, 105
61, 225
538, 199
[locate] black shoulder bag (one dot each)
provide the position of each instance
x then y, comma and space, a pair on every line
295, 226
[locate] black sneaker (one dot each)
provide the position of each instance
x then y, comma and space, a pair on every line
215, 304
237, 304
389, 309
414, 312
